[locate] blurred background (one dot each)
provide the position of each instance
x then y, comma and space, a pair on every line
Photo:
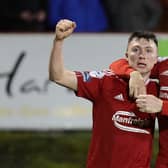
45, 125
91, 16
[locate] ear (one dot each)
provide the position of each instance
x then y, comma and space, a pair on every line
126, 56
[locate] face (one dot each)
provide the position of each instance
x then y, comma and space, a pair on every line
142, 55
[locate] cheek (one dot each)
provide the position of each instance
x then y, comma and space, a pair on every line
132, 59
152, 62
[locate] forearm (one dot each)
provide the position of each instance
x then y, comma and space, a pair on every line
57, 72
56, 66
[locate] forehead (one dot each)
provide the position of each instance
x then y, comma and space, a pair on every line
142, 42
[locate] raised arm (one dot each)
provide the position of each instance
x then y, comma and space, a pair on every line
57, 72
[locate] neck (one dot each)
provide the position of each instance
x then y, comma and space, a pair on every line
146, 76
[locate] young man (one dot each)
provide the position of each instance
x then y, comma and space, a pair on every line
160, 71
122, 136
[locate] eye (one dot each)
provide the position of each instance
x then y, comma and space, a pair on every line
135, 49
149, 50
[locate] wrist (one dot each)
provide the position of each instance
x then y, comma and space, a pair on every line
56, 39
136, 75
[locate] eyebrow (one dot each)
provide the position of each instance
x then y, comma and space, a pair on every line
144, 47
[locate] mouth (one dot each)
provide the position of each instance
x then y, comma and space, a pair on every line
141, 65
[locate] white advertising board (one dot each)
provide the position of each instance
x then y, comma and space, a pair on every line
28, 101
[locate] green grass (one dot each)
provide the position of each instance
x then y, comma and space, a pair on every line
156, 148
163, 50
46, 149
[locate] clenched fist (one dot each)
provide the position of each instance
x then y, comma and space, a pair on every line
64, 28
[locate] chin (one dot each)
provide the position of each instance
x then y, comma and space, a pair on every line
141, 70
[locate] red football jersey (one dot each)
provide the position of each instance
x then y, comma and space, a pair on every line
121, 67
162, 159
122, 136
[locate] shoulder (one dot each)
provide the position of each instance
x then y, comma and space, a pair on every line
96, 74
162, 59
102, 73
162, 64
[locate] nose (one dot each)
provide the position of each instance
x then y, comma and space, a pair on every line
142, 55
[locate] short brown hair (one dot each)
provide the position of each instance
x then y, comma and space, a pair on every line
143, 34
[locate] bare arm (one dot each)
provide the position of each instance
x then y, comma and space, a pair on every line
57, 72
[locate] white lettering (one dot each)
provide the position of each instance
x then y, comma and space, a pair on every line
125, 117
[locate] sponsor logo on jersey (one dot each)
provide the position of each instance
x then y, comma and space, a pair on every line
123, 120
96, 74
